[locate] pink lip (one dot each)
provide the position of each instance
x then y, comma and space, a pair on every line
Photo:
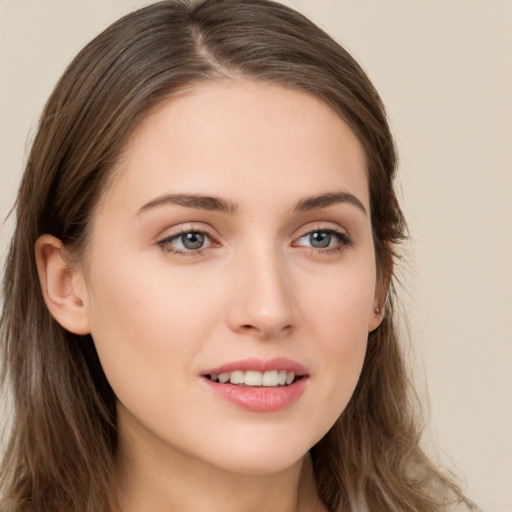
259, 399
260, 365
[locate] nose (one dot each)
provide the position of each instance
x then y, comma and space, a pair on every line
262, 304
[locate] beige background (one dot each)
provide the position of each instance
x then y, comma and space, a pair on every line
444, 69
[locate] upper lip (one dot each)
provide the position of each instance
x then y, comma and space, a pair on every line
260, 365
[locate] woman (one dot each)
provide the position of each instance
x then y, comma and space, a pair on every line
199, 295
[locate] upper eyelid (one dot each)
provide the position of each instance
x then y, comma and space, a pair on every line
178, 234
324, 228
216, 237
166, 242
320, 226
336, 232
186, 227
343, 235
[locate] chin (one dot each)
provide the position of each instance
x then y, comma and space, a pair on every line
262, 453
261, 464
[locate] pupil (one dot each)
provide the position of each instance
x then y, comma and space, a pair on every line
320, 240
193, 240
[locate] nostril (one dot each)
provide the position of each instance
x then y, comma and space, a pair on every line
248, 328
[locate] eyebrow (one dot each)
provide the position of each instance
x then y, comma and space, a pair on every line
211, 203
197, 201
329, 199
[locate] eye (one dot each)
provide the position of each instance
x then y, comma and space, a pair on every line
324, 239
186, 242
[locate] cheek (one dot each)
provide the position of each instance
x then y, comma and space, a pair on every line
143, 324
341, 303
151, 326
340, 313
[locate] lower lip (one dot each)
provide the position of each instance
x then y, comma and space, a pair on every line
259, 399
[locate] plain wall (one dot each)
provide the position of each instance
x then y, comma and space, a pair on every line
444, 70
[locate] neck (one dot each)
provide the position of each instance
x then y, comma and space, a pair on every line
152, 479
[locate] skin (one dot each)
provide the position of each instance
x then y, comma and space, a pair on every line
161, 314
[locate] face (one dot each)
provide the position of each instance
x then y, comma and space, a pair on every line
230, 282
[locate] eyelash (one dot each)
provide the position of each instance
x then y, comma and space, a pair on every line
166, 246
344, 242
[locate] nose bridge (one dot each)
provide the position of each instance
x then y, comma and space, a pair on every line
263, 302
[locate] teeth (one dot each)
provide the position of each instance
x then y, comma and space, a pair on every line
237, 377
289, 377
270, 378
251, 378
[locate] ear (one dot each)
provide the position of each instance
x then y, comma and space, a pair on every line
62, 285
376, 317
378, 307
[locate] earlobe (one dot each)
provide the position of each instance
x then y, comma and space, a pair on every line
378, 312
376, 317
62, 285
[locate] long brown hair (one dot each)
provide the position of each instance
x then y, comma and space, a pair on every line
61, 452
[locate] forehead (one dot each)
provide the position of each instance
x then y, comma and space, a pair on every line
214, 136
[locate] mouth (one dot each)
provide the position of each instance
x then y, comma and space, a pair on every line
252, 378
258, 385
